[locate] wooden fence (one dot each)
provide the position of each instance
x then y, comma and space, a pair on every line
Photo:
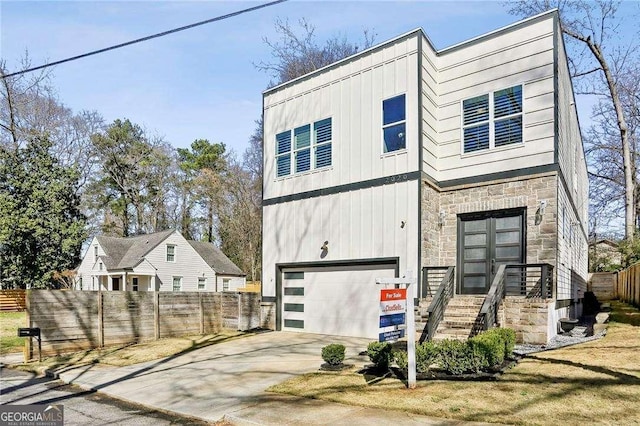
12, 300
78, 320
628, 287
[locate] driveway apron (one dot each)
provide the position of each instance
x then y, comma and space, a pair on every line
216, 380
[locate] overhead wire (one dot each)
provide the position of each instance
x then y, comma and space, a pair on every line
139, 40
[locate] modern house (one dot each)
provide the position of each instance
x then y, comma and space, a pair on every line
162, 261
462, 167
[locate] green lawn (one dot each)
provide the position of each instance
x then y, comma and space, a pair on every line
594, 382
9, 323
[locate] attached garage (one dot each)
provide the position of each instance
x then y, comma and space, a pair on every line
336, 299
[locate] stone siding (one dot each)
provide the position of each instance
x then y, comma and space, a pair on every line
528, 317
439, 241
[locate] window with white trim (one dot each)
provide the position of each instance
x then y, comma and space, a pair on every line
171, 253
394, 126
492, 120
134, 284
95, 253
225, 284
202, 283
177, 284
304, 148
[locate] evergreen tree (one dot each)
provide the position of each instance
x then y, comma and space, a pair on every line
41, 226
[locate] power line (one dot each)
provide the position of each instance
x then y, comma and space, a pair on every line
139, 40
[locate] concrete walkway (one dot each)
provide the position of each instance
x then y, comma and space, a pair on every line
228, 381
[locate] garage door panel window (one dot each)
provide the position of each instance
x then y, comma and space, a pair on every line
294, 307
294, 275
294, 291
294, 323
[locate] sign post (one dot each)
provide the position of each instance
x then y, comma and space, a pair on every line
396, 309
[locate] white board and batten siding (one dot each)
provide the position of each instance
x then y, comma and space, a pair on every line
86, 268
524, 56
361, 223
351, 94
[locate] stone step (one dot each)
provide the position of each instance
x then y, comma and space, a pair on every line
456, 324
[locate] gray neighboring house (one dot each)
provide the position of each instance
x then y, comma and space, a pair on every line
162, 261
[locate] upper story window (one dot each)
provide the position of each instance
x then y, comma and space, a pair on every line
394, 124
492, 120
95, 253
171, 253
305, 148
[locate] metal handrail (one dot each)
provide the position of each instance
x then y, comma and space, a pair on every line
488, 315
522, 280
439, 304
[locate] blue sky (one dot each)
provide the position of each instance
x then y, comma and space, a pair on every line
201, 83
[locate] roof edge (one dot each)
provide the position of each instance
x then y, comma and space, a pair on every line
507, 28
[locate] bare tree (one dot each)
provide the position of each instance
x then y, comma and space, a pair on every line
297, 54
592, 27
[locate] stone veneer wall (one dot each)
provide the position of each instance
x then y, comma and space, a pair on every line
528, 317
439, 242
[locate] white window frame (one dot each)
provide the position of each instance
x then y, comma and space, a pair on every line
174, 254
135, 284
204, 283
95, 252
395, 123
491, 121
226, 283
173, 283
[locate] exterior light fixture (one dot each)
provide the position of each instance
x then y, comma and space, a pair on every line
540, 212
441, 217
325, 246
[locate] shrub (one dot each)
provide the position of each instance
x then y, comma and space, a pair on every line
509, 337
490, 345
426, 354
333, 354
456, 357
380, 354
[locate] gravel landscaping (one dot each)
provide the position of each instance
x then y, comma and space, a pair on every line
580, 334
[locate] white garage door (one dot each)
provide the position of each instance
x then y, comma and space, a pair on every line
341, 300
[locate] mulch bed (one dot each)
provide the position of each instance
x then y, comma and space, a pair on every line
400, 374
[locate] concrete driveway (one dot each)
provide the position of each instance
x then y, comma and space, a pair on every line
216, 380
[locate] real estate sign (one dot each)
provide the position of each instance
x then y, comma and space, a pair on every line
393, 308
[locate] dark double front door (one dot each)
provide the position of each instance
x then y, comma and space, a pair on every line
486, 241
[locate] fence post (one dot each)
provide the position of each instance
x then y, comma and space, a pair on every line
201, 313
28, 347
100, 320
156, 315
239, 295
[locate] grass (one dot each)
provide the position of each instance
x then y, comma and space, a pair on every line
130, 354
594, 382
9, 323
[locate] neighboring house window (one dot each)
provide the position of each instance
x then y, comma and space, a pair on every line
100, 266
177, 283
95, 253
171, 253
202, 283
134, 284
492, 120
80, 283
309, 146
225, 284
394, 124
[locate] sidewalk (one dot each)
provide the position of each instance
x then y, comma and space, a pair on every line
228, 381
